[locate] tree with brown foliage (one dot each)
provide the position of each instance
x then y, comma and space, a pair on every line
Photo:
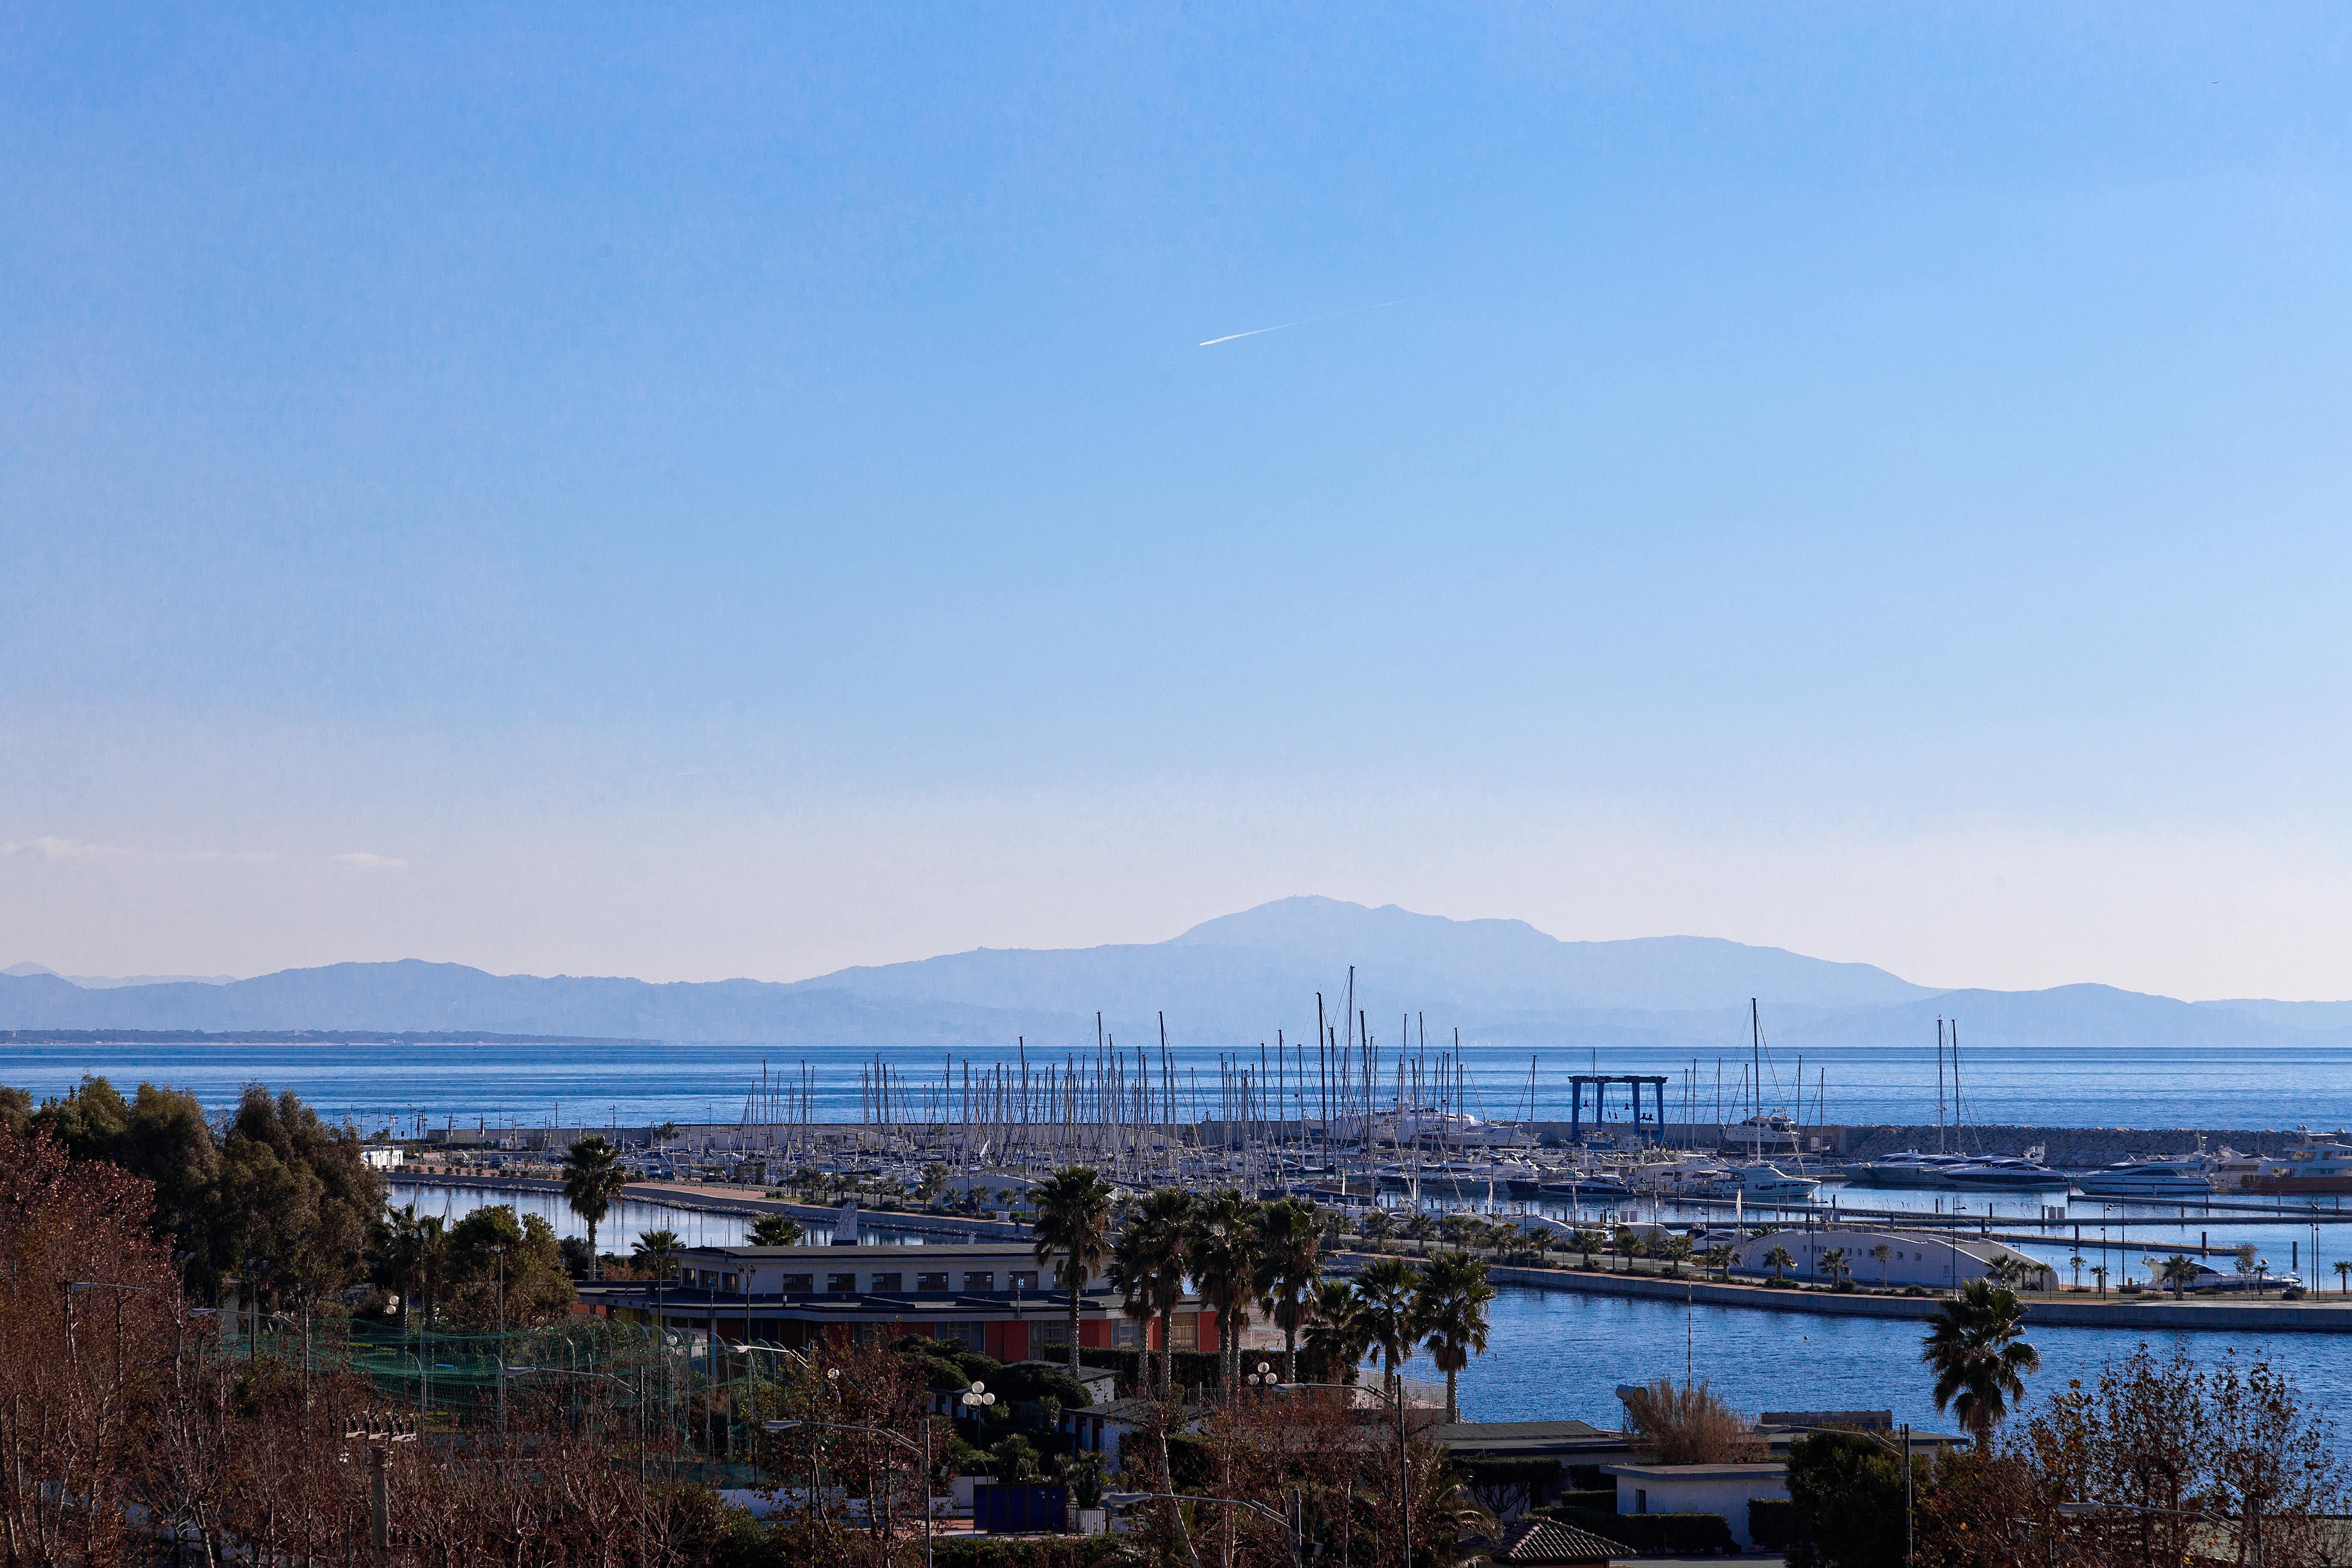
1688, 1425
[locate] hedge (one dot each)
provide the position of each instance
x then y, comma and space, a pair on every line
1191, 1367
1772, 1522
1655, 1534
1596, 1499
1025, 1550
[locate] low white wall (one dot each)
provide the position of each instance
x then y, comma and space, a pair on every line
1728, 1496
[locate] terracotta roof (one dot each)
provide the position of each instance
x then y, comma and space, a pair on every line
1533, 1541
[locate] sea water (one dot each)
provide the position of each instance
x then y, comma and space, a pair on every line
532, 1085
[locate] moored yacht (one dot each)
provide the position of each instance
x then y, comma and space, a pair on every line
1910, 1168
2005, 1173
1762, 1181
2150, 1176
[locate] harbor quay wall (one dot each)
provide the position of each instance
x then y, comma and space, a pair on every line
2141, 1315
2073, 1148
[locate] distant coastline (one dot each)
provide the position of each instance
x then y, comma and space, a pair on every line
299, 1037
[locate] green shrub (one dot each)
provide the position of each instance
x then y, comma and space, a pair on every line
1192, 1367
1845, 1496
1779, 1285
1592, 1479
1771, 1522
1597, 1499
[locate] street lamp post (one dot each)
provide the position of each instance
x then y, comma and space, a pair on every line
380, 1432
499, 1254
923, 1453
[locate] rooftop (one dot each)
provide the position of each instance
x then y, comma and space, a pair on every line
1535, 1540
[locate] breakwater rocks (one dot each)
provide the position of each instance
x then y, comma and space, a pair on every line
2139, 1314
2073, 1148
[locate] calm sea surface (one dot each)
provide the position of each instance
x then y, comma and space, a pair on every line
532, 1085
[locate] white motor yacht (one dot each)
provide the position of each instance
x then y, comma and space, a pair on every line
1764, 1183
2150, 1176
2004, 1173
1911, 1168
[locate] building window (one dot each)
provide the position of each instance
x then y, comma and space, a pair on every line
1126, 1333
971, 1336
1188, 1331
841, 1284
799, 1282
727, 1282
1056, 1332
1641, 1499
888, 1282
980, 1279
930, 1281
1024, 1279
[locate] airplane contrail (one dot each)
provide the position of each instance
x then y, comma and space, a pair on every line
1310, 320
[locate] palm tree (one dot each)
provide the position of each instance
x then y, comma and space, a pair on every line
1336, 1337
1677, 1250
656, 1250
2099, 1274
777, 1230
1832, 1263
1291, 1267
2180, 1273
1374, 1225
593, 1178
1720, 1257
1148, 1266
2342, 1276
1452, 1307
1885, 1255
2076, 1263
1387, 1299
1587, 1241
1227, 1249
1979, 1356
1777, 1260
1073, 1221
1627, 1244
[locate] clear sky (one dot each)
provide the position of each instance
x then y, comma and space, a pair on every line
741, 493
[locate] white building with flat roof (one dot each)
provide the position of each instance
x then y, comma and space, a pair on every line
1931, 1258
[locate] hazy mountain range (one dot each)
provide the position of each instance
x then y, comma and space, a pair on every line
1235, 979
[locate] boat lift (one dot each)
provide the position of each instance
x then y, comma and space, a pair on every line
1601, 1082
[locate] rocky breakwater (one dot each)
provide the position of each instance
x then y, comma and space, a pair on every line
2069, 1148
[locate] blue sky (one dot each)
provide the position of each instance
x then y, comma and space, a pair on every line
741, 493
